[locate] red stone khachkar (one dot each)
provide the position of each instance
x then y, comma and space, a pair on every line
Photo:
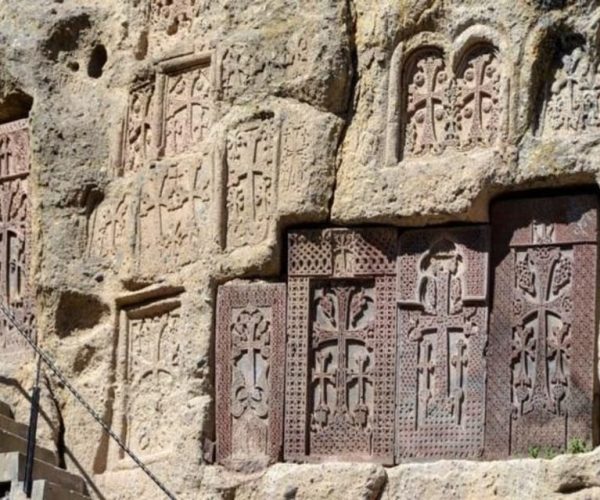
15, 231
340, 352
442, 334
542, 331
250, 373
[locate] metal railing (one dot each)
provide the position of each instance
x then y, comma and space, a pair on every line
43, 356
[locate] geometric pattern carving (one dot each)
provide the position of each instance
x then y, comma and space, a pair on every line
445, 111
15, 232
252, 166
148, 373
442, 334
341, 341
250, 373
572, 99
542, 331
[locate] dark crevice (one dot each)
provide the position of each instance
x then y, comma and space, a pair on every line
98, 59
351, 92
15, 106
575, 485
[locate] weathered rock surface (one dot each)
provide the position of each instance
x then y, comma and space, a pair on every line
139, 212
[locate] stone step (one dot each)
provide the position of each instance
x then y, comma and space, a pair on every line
14, 427
11, 442
45, 490
12, 469
5, 410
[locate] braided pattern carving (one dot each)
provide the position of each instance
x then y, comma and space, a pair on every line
540, 385
441, 342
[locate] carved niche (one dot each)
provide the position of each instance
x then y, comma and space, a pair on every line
147, 373
573, 95
250, 373
542, 328
341, 345
442, 327
451, 109
252, 167
170, 114
138, 142
15, 233
187, 100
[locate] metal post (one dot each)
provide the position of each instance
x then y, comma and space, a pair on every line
31, 435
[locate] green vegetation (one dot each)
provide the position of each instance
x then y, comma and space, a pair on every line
574, 446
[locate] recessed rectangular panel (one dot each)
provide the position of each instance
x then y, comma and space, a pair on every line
543, 325
250, 373
442, 334
340, 352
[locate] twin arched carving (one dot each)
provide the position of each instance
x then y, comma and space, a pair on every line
445, 98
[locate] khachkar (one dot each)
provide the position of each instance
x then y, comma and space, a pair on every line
542, 330
15, 231
250, 373
340, 352
443, 310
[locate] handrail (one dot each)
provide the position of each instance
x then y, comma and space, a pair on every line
77, 395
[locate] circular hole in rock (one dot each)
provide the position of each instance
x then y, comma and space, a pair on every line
97, 61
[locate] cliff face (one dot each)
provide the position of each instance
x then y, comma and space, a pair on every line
173, 142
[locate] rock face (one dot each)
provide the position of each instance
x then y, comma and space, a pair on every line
173, 143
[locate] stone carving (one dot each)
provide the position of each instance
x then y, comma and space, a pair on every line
186, 104
445, 111
148, 372
341, 345
442, 288
139, 129
252, 165
243, 65
250, 373
542, 332
174, 203
573, 95
171, 16
15, 289
111, 228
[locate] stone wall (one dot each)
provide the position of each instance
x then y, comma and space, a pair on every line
173, 144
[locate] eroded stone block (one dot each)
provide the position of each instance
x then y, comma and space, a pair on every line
250, 373
15, 232
442, 334
542, 330
341, 345
147, 375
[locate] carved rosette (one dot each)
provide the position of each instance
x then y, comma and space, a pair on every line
250, 364
443, 308
341, 345
541, 375
15, 234
448, 110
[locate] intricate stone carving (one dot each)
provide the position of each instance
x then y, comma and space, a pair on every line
573, 95
148, 373
252, 165
15, 289
139, 129
341, 345
442, 276
186, 104
250, 373
451, 111
542, 332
